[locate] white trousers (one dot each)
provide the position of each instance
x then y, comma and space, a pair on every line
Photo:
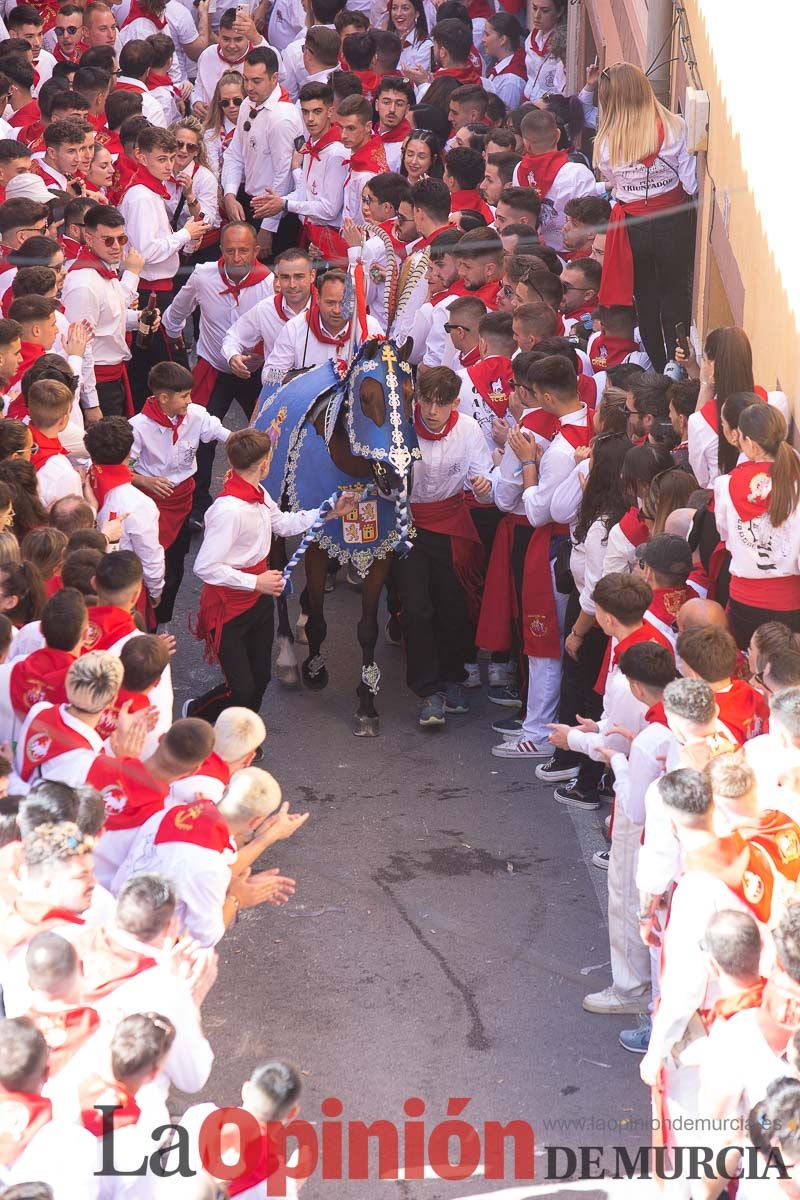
630, 958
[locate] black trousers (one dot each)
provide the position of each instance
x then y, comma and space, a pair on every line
245, 656
436, 627
662, 263
112, 398
745, 620
577, 696
227, 388
174, 558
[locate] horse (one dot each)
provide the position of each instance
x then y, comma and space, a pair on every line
334, 428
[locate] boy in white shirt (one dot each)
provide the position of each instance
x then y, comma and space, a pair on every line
50, 405
109, 443
166, 434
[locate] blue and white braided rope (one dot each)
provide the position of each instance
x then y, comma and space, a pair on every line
401, 521
310, 536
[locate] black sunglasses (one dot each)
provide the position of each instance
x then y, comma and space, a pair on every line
250, 119
238, 101
63, 30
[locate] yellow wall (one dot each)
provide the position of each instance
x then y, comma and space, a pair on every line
760, 245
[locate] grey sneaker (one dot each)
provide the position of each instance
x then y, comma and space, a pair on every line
637, 1040
454, 699
506, 694
432, 712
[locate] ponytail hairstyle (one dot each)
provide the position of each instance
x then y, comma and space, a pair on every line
766, 426
729, 350
733, 408
23, 581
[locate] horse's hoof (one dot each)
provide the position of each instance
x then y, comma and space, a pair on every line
315, 673
300, 629
288, 676
366, 726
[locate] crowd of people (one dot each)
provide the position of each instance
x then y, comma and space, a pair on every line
606, 533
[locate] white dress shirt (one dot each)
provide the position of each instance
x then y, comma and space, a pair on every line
261, 157
139, 532
148, 228
286, 20
204, 288
674, 165
572, 181
58, 478
448, 463
180, 27
155, 453
545, 72
239, 535
211, 66
319, 186
509, 87
556, 464
206, 189
150, 105
758, 549
471, 404
416, 53
44, 1158
296, 346
71, 767
260, 324
106, 304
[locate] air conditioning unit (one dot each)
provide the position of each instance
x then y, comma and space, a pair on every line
695, 113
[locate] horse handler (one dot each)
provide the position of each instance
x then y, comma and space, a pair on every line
439, 581
236, 612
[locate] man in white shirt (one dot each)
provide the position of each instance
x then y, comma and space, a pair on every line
550, 171
95, 291
59, 162
321, 332
135, 60
310, 58
25, 21
223, 291
260, 325
258, 160
50, 405
191, 38
227, 55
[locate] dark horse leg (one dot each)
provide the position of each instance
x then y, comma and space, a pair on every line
366, 722
315, 673
286, 669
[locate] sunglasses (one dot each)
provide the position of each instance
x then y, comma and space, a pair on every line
193, 146
110, 240
235, 101
63, 30
450, 327
250, 119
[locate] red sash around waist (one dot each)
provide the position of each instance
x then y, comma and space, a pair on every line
451, 517
616, 284
781, 593
219, 604
110, 373
173, 511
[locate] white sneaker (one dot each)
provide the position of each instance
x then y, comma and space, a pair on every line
612, 1002
522, 747
473, 679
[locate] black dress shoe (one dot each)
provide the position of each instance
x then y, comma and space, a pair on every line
196, 524
258, 755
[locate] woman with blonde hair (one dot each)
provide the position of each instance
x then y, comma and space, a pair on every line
220, 121
640, 150
757, 510
194, 191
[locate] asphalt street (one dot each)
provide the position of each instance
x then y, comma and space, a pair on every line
446, 925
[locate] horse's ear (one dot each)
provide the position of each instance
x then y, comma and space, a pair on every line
370, 348
405, 350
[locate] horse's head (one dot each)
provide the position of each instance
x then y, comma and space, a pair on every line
378, 413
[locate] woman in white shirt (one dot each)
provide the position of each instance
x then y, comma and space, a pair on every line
757, 510
543, 47
193, 188
640, 149
408, 20
220, 121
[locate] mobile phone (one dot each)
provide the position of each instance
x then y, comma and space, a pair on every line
681, 338
299, 142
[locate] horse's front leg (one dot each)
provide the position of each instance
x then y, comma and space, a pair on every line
315, 673
367, 722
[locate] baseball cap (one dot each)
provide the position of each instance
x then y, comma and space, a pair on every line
667, 554
29, 186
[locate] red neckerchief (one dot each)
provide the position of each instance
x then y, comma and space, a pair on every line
156, 80
645, 633
369, 80
235, 486
750, 489
487, 292
39, 167
105, 477
634, 528
26, 116
136, 86
314, 149
611, 351
667, 602
70, 246
22, 1115
257, 274
258, 1171
742, 710
137, 13
98, 122
125, 169
541, 422
728, 1006
369, 157
469, 359
107, 625
539, 170
575, 314
39, 677
710, 410
130, 792
145, 179
493, 380
472, 199
44, 448
155, 412
426, 434
545, 50
25, 919
215, 767
98, 1091
237, 62
423, 242
31, 351
48, 737
226, 137
107, 963
283, 312
466, 74
400, 248
108, 722
199, 824
60, 56
65, 1031
398, 134
746, 868
655, 714
576, 435
314, 322
515, 67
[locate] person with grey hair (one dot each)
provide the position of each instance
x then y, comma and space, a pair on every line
775, 756
60, 741
208, 851
693, 716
